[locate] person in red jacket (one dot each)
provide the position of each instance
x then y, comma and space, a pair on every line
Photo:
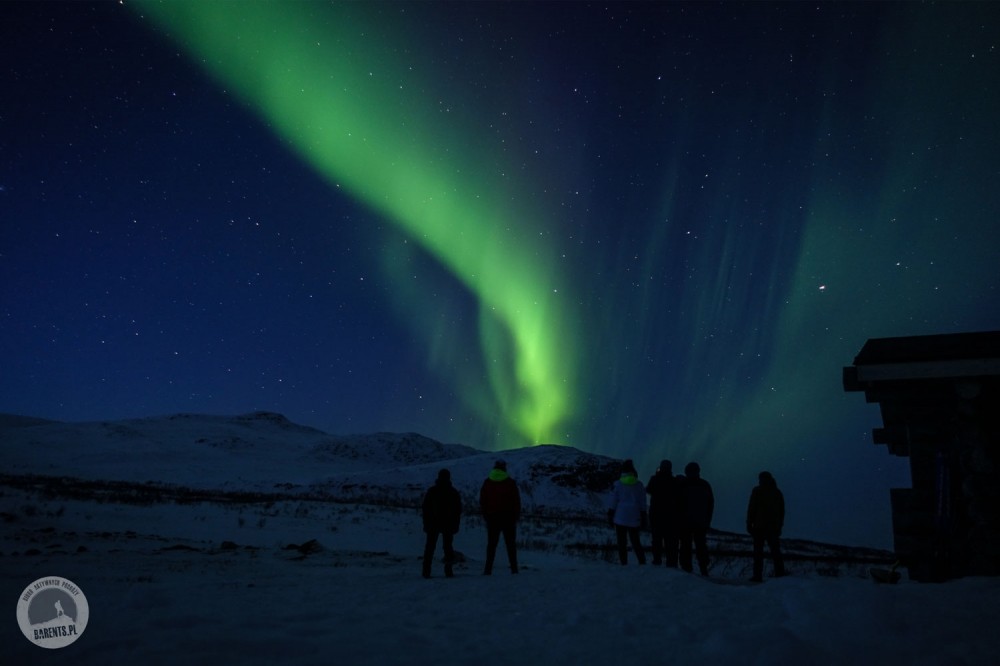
500, 502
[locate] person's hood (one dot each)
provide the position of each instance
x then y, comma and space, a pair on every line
498, 475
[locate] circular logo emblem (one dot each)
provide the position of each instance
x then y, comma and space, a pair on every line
52, 612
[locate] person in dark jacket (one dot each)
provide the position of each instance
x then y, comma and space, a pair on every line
699, 505
627, 512
765, 518
665, 514
442, 513
500, 502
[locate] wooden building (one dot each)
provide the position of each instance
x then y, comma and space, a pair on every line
940, 401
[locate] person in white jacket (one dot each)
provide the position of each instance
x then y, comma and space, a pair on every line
627, 512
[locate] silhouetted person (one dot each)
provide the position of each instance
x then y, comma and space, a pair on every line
627, 511
665, 513
765, 518
699, 504
442, 513
500, 502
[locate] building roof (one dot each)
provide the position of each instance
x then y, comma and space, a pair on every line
925, 357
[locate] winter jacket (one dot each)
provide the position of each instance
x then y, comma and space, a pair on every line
627, 504
699, 503
442, 508
499, 498
766, 512
666, 505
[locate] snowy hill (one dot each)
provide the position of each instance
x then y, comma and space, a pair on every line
186, 449
266, 453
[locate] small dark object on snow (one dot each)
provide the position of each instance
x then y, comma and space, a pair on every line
307, 548
890, 576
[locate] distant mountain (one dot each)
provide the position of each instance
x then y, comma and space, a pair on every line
17, 421
265, 452
407, 448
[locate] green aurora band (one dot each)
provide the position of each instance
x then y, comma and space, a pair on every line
365, 124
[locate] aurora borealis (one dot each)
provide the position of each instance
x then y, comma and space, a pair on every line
644, 230
367, 132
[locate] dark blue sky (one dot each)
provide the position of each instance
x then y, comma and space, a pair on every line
644, 230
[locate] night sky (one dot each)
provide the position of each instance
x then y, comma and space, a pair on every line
643, 230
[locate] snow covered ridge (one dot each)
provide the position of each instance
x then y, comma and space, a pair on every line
266, 453
267, 468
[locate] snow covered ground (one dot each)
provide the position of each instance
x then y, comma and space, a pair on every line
313, 579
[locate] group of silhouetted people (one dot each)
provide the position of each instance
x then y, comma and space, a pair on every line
678, 513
